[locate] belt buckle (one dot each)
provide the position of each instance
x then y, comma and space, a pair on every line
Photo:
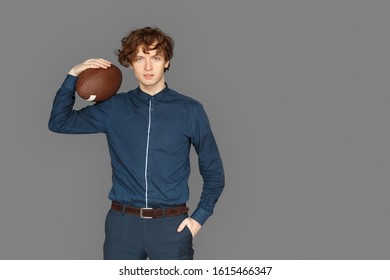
141, 213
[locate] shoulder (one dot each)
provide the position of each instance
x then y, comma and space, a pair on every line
185, 99
121, 98
116, 102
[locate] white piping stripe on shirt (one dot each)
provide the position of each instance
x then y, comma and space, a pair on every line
147, 154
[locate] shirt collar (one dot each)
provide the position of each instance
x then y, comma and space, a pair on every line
146, 97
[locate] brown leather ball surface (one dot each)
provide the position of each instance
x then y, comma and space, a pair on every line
98, 84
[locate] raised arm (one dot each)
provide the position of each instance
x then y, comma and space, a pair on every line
90, 119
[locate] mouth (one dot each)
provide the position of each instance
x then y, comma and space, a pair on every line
148, 76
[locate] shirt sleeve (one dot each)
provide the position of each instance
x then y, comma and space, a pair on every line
64, 119
210, 166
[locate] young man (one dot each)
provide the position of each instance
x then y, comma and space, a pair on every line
149, 131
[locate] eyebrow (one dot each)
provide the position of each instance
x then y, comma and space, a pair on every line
158, 54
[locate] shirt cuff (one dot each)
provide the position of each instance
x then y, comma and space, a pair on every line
200, 215
69, 82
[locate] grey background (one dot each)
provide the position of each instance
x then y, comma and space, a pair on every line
297, 93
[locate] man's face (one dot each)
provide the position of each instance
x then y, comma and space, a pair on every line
149, 70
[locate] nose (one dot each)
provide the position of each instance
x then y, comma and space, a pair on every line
148, 65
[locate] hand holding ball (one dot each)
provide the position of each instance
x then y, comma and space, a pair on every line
98, 84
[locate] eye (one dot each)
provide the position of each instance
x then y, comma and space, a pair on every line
156, 58
139, 59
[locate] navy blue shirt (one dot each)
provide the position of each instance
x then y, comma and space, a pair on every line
149, 140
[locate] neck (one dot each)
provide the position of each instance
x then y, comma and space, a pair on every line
152, 90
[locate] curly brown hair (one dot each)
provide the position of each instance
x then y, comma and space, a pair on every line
145, 37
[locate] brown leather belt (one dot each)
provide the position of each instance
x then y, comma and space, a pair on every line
150, 213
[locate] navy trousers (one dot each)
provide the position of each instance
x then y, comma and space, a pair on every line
129, 237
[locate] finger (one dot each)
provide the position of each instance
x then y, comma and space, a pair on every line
89, 63
103, 63
97, 59
183, 224
97, 63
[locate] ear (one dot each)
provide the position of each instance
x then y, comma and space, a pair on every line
166, 64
